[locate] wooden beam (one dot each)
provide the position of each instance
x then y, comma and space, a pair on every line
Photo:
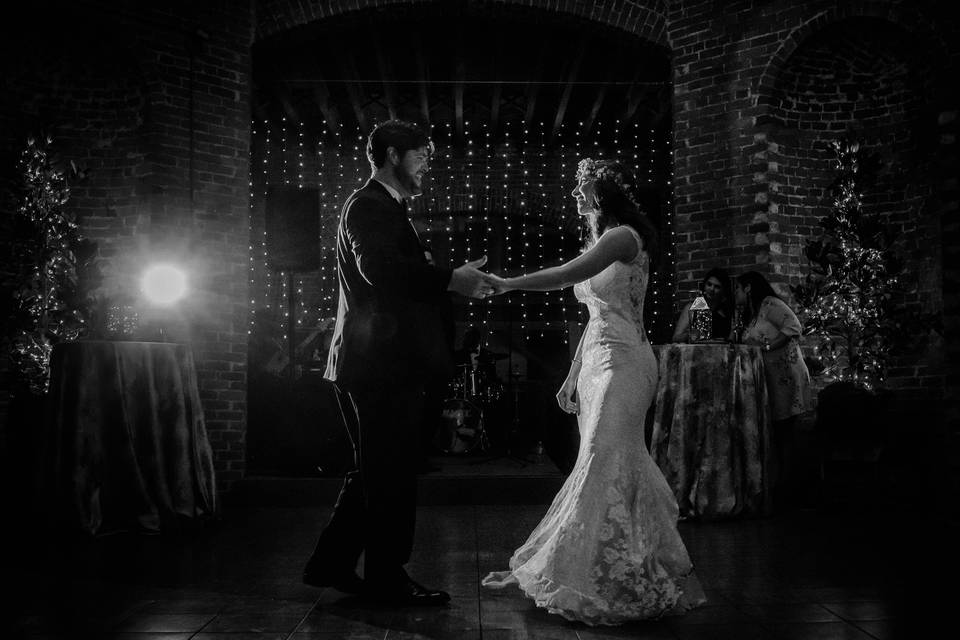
259, 113
495, 108
460, 76
663, 106
533, 87
568, 87
597, 103
496, 59
321, 95
257, 108
345, 63
389, 91
636, 93
284, 97
423, 72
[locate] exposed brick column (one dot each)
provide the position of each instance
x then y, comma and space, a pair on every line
721, 191
196, 192
167, 153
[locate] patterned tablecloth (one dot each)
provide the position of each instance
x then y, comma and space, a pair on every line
711, 434
127, 446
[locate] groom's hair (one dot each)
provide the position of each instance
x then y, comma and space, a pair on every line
399, 134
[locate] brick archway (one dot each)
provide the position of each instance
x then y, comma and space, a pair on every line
801, 105
644, 18
913, 23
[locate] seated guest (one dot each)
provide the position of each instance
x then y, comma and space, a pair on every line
715, 289
771, 325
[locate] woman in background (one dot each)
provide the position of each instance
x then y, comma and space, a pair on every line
715, 289
773, 326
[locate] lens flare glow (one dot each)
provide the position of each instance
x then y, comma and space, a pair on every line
163, 284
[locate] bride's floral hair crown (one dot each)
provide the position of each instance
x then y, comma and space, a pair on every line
608, 170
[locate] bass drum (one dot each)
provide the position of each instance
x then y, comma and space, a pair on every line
461, 427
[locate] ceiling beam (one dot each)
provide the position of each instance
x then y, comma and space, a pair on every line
345, 63
283, 95
636, 93
496, 59
663, 108
568, 87
389, 89
423, 73
459, 76
495, 108
597, 103
259, 112
533, 87
321, 95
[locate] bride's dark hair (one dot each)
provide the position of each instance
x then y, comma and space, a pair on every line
617, 200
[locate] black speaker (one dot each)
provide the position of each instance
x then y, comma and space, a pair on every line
293, 228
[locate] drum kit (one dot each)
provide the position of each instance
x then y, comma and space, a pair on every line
464, 415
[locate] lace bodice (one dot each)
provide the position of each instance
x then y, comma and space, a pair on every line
614, 297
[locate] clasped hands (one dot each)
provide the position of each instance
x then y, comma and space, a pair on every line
469, 281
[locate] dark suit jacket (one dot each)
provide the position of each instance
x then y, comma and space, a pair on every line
389, 326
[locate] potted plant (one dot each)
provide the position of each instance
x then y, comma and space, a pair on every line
46, 273
853, 303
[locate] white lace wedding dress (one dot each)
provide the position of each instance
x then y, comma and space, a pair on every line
608, 550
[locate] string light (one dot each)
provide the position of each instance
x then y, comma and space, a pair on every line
479, 190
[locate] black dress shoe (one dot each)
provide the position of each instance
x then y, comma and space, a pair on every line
345, 581
406, 593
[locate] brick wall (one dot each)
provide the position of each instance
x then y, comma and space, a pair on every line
754, 106
750, 167
170, 154
154, 102
859, 76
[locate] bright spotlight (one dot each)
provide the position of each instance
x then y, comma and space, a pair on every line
163, 284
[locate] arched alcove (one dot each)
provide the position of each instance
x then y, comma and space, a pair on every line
871, 79
863, 76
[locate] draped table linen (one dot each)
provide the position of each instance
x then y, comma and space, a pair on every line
128, 443
711, 433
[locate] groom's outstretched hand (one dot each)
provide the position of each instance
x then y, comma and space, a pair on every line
469, 281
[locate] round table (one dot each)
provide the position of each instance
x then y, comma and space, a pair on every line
711, 433
128, 447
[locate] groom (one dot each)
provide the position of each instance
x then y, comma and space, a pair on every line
387, 344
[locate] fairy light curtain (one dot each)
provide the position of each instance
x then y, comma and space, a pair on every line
505, 195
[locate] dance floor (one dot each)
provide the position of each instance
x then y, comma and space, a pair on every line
818, 573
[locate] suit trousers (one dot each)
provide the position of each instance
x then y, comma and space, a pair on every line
375, 512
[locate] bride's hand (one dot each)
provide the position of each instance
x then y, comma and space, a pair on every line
567, 396
499, 284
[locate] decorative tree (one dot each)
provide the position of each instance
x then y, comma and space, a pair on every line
47, 268
853, 297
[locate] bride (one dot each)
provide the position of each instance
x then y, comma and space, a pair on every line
608, 550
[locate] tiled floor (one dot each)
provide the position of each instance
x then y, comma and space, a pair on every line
808, 573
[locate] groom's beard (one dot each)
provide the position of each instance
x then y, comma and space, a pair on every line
408, 181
